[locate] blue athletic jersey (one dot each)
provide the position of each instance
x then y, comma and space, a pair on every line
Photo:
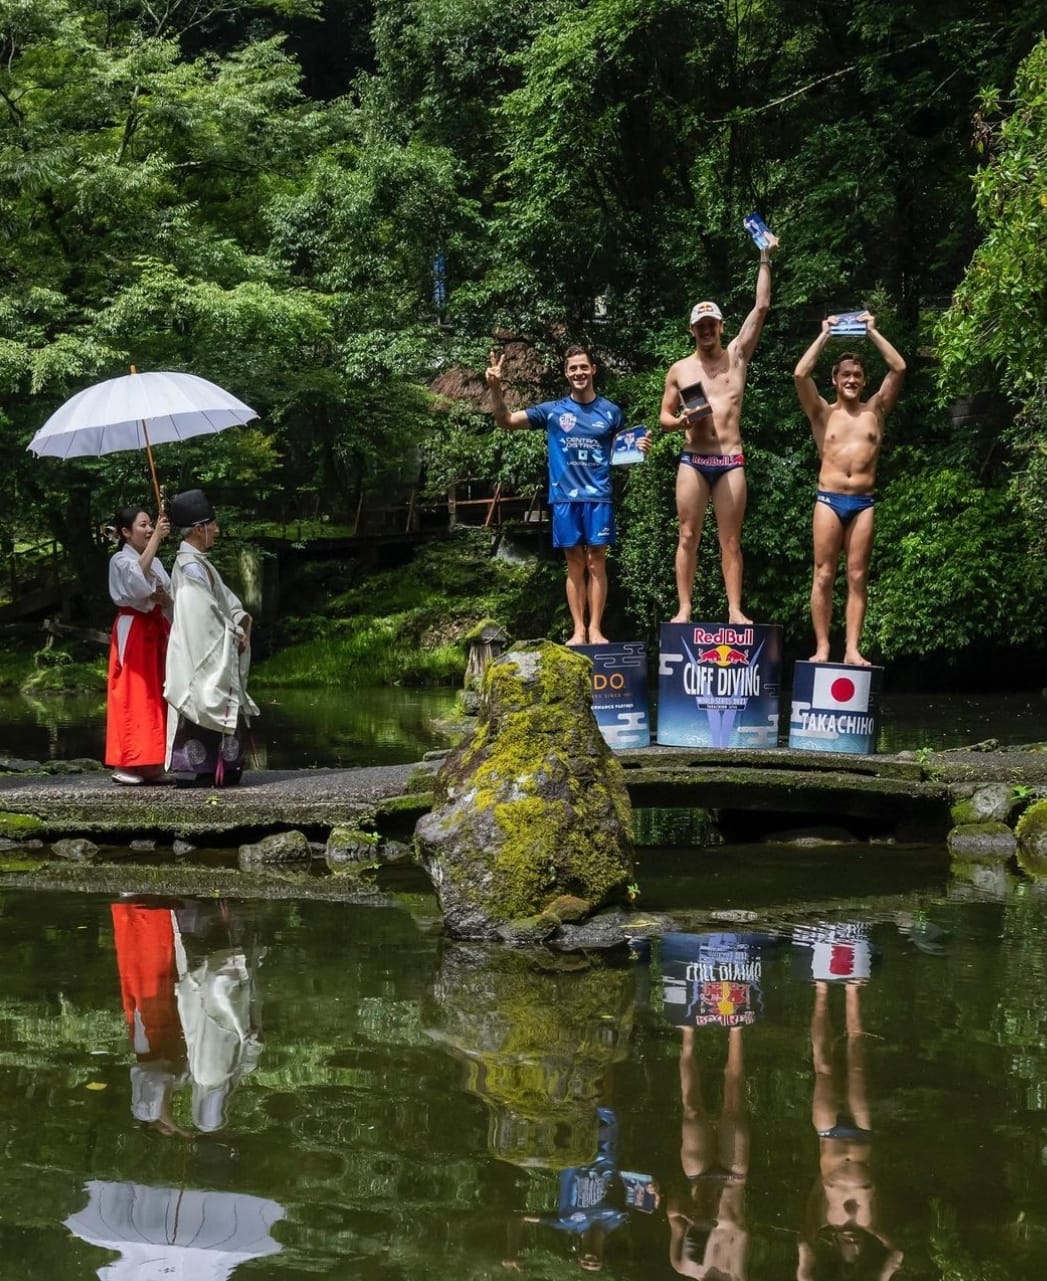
579, 439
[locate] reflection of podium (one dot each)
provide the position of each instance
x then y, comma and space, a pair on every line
834, 952
719, 684
834, 707
619, 685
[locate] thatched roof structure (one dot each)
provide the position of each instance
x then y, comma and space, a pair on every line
523, 376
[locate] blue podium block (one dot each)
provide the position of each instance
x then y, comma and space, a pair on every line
619, 683
719, 685
835, 707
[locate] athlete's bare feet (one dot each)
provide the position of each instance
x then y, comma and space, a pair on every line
597, 638
737, 619
579, 638
682, 615
855, 659
820, 655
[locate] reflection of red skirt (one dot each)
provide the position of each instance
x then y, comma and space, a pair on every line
145, 958
136, 714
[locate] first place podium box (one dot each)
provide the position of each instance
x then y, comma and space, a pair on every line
619, 684
835, 707
719, 684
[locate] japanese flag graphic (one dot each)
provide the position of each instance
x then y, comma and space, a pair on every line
841, 691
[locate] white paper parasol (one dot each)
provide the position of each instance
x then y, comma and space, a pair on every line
136, 412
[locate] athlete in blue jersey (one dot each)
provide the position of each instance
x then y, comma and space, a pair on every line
580, 430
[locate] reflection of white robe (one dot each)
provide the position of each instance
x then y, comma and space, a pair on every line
206, 673
174, 1234
216, 1004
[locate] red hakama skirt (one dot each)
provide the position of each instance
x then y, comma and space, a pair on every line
136, 713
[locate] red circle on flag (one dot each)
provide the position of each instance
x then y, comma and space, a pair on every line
842, 689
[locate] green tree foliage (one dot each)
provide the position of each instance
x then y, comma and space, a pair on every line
994, 336
171, 195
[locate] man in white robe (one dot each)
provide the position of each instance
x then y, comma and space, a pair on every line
208, 657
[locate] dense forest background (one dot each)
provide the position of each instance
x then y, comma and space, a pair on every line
334, 208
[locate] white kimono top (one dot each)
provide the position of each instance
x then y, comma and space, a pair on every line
206, 673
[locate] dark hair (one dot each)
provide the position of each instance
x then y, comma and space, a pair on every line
124, 519
849, 355
578, 350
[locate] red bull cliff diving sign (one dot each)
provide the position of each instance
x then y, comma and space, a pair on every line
834, 707
719, 685
619, 685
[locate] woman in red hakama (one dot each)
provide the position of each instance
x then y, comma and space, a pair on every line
136, 714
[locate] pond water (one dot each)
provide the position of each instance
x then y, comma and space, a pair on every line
326, 727
194, 1089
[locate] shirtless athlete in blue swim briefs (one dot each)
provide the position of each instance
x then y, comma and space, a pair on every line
848, 433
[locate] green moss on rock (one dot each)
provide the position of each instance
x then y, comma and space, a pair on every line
1031, 834
19, 827
533, 806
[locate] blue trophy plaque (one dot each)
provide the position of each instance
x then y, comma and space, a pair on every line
625, 450
849, 324
719, 684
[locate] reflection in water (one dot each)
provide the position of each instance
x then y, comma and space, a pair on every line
712, 980
708, 1235
395, 1161
591, 1201
536, 1045
174, 1234
191, 1005
841, 1228
842, 1223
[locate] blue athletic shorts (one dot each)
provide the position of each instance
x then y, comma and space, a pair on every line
583, 524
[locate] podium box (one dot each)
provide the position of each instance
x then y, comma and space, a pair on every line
619, 684
835, 707
719, 684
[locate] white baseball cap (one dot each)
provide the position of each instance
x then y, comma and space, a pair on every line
702, 309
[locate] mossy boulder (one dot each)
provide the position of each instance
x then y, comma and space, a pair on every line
348, 845
532, 805
989, 802
1031, 833
75, 849
989, 842
281, 849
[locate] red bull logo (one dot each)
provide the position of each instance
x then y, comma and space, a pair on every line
722, 656
732, 637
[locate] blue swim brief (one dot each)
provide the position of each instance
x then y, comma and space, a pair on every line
712, 466
583, 524
846, 506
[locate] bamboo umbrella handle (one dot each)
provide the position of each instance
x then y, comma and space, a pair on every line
152, 465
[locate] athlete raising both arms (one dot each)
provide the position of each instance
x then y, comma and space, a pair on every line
712, 465
848, 433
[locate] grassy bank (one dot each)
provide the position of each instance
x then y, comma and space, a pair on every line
408, 625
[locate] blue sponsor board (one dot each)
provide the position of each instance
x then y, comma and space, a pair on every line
712, 980
719, 684
834, 707
619, 683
